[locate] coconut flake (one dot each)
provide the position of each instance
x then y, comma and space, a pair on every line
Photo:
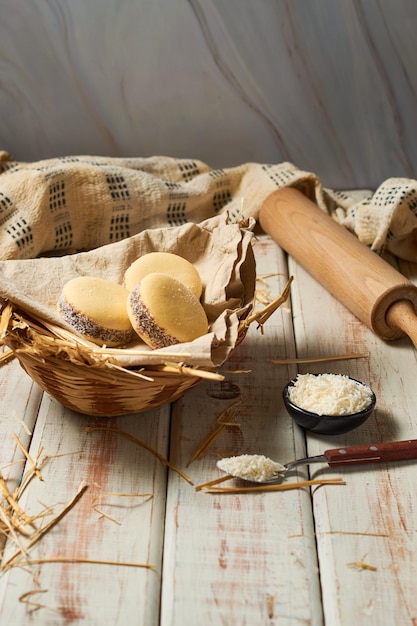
254, 467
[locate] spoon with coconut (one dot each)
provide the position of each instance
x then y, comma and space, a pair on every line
257, 468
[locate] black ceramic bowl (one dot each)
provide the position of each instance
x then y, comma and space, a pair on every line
327, 424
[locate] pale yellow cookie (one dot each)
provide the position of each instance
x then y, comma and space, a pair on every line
164, 263
164, 312
96, 308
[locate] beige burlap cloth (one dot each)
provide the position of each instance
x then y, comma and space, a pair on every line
88, 214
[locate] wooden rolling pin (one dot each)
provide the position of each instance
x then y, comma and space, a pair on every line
367, 285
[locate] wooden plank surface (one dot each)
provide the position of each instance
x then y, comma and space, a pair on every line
241, 559
20, 400
336, 555
366, 537
120, 518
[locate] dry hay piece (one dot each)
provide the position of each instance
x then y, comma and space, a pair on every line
89, 383
90, 380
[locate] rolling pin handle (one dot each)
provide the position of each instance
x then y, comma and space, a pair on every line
402, 315
355, 275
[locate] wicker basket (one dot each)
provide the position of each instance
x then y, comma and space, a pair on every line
91, 381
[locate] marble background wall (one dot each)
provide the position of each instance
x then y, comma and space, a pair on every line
330, 85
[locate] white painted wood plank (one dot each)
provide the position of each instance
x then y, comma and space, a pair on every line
108, 464
20, 400
241, 559
373, 519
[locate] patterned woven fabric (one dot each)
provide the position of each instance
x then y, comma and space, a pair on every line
68, 204
220, 251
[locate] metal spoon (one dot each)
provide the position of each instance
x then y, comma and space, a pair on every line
257, 468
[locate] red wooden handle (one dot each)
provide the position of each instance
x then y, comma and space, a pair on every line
373, 453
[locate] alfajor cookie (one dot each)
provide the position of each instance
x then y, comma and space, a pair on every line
164, 312
164, 263
96, 308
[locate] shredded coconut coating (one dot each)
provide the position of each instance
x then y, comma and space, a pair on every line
329, 394
254, 467
145, 325
90, 329
164, 312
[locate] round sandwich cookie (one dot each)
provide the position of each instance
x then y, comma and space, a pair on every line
164, 263
164, 312
96, 308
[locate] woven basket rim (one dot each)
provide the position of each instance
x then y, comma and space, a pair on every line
89, 379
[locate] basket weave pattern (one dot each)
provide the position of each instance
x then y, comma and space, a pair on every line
87, 383
100, 391
94, 384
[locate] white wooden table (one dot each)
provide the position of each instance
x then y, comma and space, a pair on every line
335, 555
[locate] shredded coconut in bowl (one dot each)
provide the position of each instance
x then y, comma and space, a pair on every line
254, 467
329, 394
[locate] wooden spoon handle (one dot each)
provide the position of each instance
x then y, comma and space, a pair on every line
373, 453
360, 279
